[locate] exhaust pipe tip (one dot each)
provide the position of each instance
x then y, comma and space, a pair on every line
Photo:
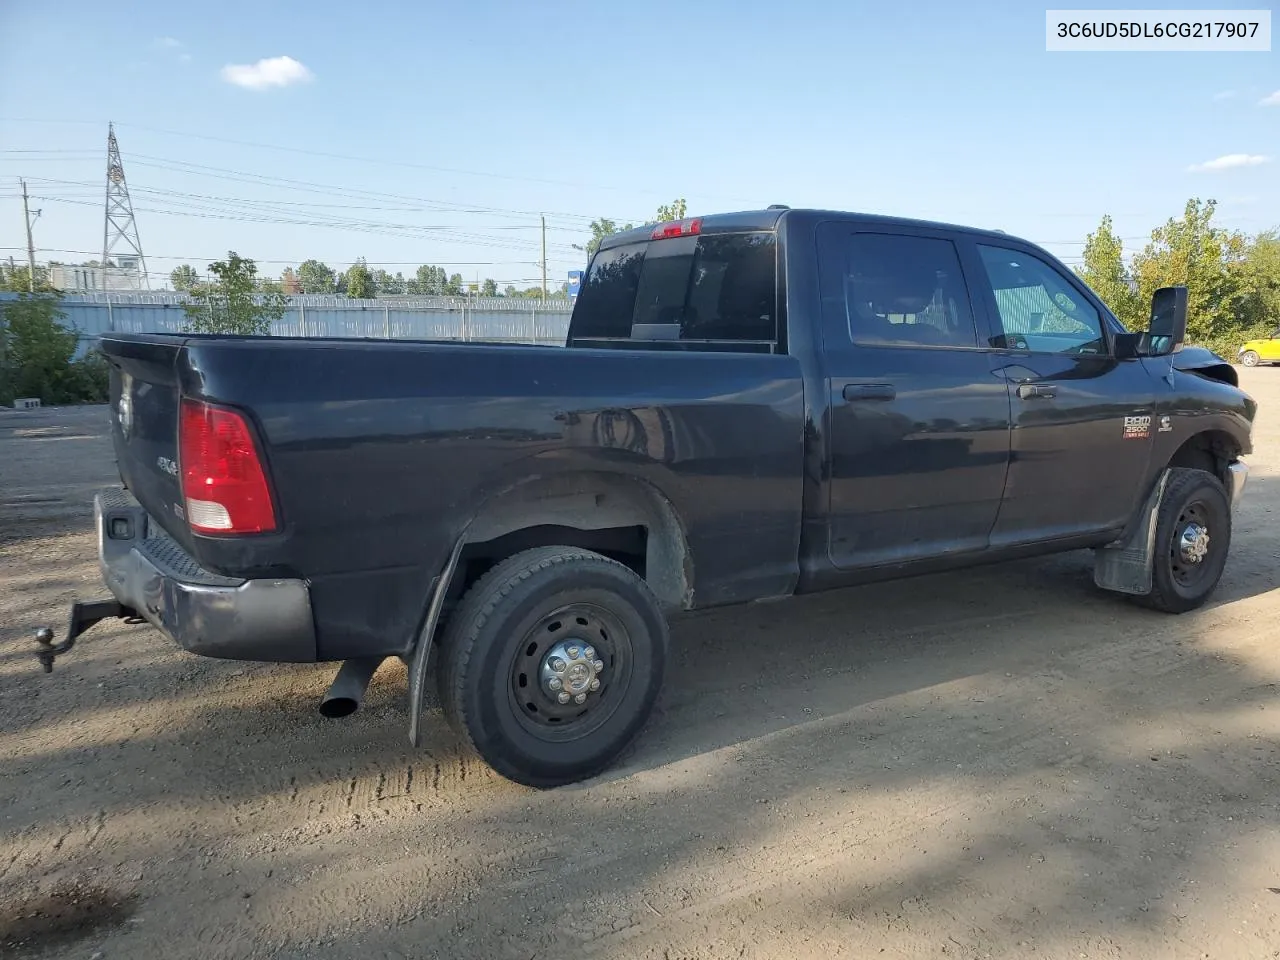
346, 693
335, 708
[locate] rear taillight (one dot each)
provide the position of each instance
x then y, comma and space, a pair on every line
223, 482
678, 228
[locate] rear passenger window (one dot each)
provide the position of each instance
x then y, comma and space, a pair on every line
716, 288
905, 290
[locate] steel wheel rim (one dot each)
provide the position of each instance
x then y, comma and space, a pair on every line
1186, 570
534, 706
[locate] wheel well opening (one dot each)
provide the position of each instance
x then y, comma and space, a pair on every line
1211, 451
627, 545
625, 521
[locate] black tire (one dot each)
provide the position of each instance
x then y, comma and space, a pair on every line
501, 639
1179, 585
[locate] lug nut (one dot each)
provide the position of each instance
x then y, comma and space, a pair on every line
554, 683
589, 653
557, 665
573, 653
595, 684
563, 698
599, 665
580, 698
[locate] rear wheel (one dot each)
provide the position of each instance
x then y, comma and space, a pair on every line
1193, 536
552, 663
1249, 358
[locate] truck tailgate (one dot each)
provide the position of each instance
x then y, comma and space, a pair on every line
145, 398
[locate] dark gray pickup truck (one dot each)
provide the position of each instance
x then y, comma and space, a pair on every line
749, 406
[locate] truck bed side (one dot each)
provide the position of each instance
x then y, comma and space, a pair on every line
381, 455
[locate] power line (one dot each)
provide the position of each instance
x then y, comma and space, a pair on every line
247, 201
296, 260
242, 176
453, 233
397, 163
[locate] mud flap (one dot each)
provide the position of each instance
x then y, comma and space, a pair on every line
422, 651
1125, 566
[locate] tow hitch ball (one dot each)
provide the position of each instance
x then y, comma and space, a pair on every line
83, 616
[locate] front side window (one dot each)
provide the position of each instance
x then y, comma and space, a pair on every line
906, 290
1038, 308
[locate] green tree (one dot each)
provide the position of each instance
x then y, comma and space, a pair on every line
184, 278
17, 279
490, 288
1258, 286
230, 304
385, 283
360, 284
672, 211
454, 287
428, 281
316, 277
509, 291
37, 351
1105, 272
604, 227
599, 230
1192, 252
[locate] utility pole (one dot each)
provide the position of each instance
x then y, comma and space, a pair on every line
544, 258
31, 246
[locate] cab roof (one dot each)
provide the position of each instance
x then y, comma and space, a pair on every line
752, 220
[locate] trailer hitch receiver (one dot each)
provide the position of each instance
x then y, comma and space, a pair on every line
84, 615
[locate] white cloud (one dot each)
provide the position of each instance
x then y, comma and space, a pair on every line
1270, 101
169, 42
1230, 161
271, 72
1225, 95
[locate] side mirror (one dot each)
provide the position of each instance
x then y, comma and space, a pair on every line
1168, 327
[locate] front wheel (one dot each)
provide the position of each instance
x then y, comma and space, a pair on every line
552, 663
1193, 535
1249, 358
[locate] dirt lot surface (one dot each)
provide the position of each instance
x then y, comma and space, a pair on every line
1000, 763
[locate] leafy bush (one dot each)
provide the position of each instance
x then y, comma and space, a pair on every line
37, 355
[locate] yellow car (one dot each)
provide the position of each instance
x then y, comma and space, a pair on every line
1264, 350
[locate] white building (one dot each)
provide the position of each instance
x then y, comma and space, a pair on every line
70, 278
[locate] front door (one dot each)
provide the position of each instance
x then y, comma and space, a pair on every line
918, 428
1083, 421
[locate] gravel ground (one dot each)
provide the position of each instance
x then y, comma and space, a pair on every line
998, 763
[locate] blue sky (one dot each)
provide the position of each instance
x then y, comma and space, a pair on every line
471, 119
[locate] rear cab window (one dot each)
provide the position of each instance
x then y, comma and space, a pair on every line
712, 291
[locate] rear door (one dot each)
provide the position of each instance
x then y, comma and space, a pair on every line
919, 427
1082, 420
